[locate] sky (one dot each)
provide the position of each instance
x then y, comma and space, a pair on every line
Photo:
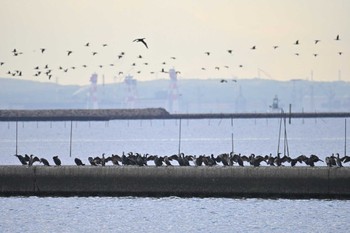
178, 33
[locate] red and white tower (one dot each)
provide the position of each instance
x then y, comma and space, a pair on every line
130, 92
173, 92
92, 94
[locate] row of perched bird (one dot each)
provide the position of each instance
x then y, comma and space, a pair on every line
225, 159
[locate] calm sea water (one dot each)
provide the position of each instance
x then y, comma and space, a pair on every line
128, 214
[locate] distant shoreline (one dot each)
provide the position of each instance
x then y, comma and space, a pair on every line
145, 113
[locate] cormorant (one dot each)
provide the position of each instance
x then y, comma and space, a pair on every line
142, 40
44, 161
21, 159
78, 162
56, 160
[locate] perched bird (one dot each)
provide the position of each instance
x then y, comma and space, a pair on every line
21, 159
56, 160
32, 159
142, 40
44, 161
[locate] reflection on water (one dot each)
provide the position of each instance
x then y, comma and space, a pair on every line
172, 214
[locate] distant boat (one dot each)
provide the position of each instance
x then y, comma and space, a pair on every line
275, 105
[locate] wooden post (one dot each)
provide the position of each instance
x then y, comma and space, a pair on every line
16, 137
179, 149
70, 138
345, 140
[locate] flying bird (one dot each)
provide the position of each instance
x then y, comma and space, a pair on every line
275, 47
340, 53
296, 42
316, 41
104, 45
254, 47
337, 38
208, 53
142, 40
42, 50
223, 81
69, 52
94, 53
87, 44
1, 63
229, 51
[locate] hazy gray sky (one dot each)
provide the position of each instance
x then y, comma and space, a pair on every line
184, 29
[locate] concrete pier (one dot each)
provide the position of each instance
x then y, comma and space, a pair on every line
270, 182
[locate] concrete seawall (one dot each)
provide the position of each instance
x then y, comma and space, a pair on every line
289, 182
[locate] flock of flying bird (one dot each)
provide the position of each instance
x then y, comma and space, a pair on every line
225, 159
48, 70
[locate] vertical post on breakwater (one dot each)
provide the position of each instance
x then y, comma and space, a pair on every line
345, 140
279, 133
232, 142
179, 149
70, 138
16, 137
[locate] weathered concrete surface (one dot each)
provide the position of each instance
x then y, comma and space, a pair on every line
290, 182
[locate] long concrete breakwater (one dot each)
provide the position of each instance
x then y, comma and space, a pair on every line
147, 113
270, 182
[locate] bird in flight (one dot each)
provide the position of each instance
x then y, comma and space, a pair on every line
229, 51
296, 42
142, 40
87, 44
275, 47
223, 81
69, 52
42, 50
254, 47
316, 41
208, 53
337, 38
